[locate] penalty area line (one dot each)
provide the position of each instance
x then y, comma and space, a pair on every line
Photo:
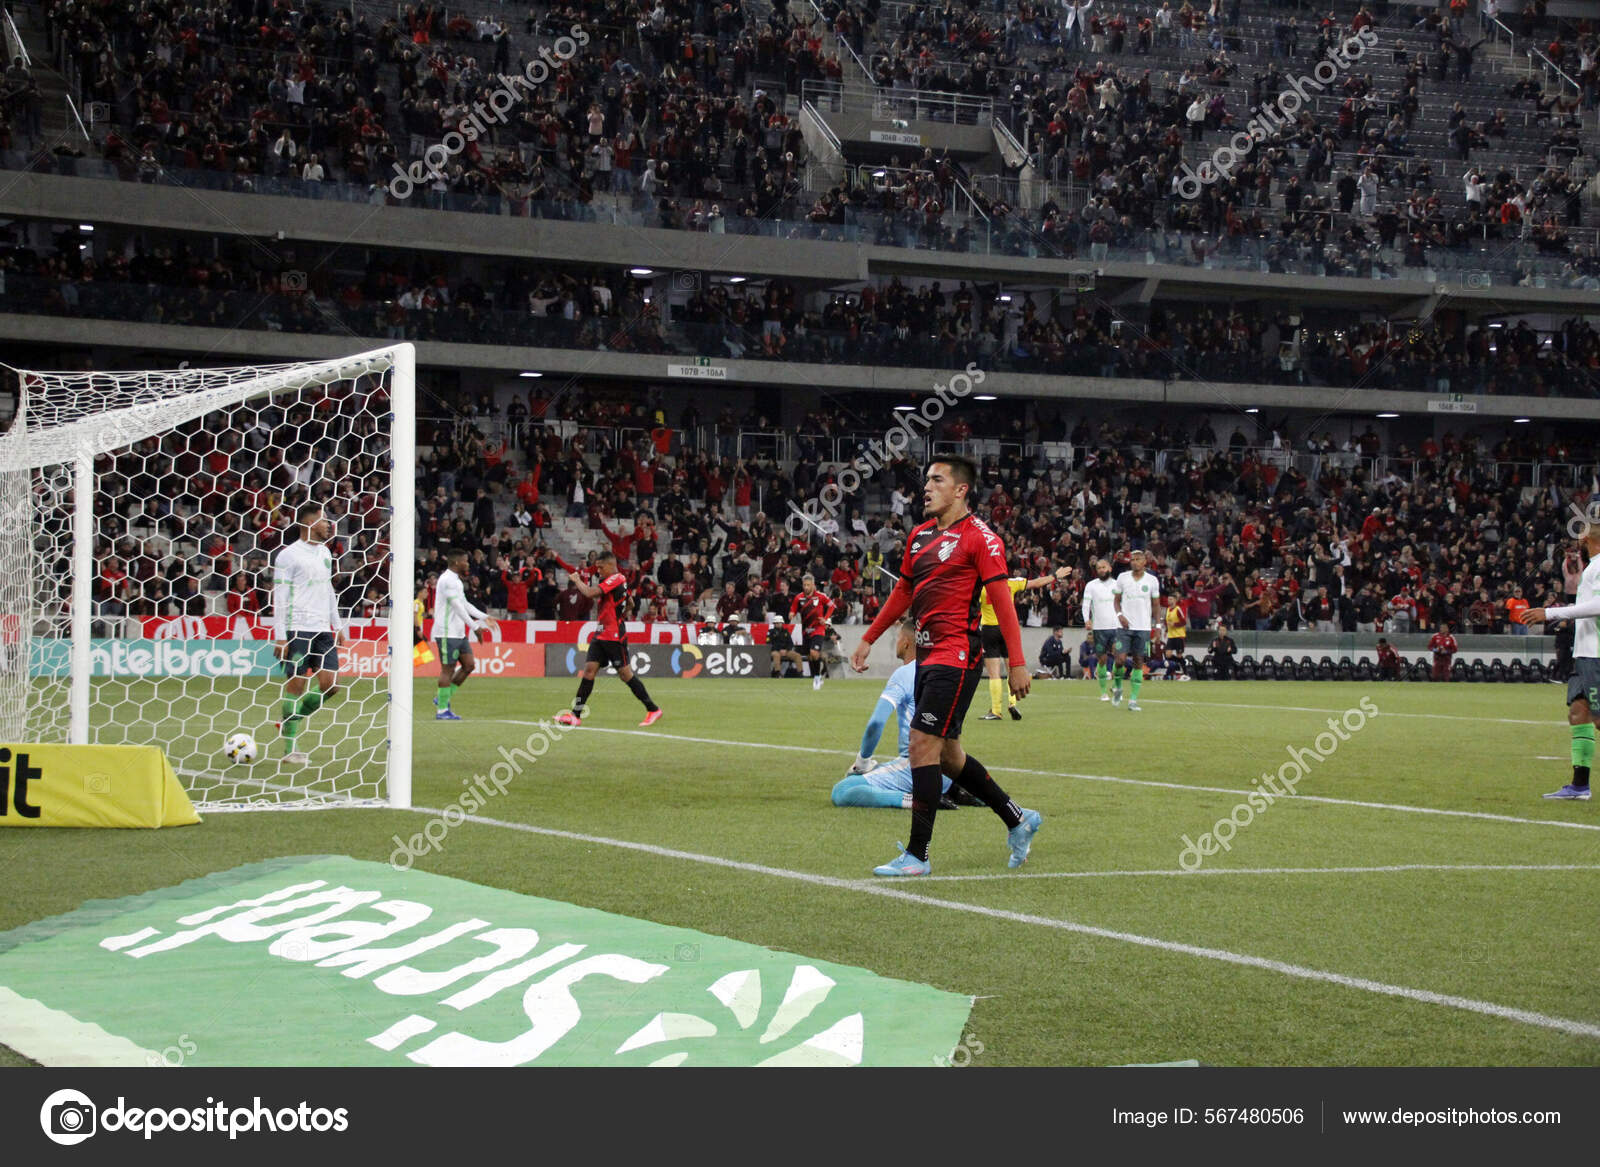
1317, 798
1222, 955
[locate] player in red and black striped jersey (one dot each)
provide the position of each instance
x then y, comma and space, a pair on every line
608, 648
951, 561
813, 610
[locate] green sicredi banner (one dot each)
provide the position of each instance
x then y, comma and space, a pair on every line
332, 961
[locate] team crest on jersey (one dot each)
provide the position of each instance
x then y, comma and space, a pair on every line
946, 548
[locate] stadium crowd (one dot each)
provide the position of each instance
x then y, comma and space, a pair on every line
1305, 533
1451, 534
652, 100
658, 112
887, 322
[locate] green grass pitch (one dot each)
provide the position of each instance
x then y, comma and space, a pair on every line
1480, 951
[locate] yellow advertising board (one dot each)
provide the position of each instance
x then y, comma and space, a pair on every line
90, 786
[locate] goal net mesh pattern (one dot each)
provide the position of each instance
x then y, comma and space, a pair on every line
197, 476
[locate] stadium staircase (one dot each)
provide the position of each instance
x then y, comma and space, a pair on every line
56, 117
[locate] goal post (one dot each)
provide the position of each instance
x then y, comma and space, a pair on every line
140, 515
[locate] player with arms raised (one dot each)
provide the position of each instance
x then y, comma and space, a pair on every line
950, 560
305, 612
813, 610
1583, 685
994, 645
454, 617
608, 648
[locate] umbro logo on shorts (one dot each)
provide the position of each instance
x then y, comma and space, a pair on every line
929, 718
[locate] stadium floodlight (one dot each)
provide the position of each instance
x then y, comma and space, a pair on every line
1386, 415
139, 516
529, 373
1520, 420
1253, 409
641, 271
983, 396
904, 408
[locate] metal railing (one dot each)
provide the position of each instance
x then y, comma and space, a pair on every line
899, 104
14, 46
825, 164
1550, 68
866, 77
74, 119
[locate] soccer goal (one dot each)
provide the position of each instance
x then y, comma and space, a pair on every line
140, 513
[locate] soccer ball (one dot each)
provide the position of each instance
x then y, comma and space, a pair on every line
240, 748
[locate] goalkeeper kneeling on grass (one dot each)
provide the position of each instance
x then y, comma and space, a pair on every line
305, 611
889, 784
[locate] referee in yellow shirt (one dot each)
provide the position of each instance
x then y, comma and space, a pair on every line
994, 644
1177, 634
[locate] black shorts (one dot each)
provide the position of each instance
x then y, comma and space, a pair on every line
817, 643
612, 654
994, 641
943, 693
1175, 644
311, 652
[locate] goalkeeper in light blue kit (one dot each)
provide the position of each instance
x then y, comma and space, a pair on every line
889, 784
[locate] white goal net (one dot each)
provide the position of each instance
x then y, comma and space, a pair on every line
140, 516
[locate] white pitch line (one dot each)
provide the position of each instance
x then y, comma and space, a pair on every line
1313, 709
1426, 996
1182, 874
1319, 798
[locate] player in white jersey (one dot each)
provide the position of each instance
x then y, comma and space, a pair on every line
889, 784
1137, 593
453, 618
1100, 620
1583, 686
307, 624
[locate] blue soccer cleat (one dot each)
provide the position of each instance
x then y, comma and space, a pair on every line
446, 715
904, 863
1569, 791
1020, 837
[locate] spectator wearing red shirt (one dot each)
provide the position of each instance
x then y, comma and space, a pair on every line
528, 488
741, 493
730, 604
1443, 647
517, 583
572, 604
1402, 611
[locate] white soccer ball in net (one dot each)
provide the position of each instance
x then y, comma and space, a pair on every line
240, 748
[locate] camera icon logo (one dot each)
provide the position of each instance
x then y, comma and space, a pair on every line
686, 953
293, 281
685, 281
96, 784
68, 1117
